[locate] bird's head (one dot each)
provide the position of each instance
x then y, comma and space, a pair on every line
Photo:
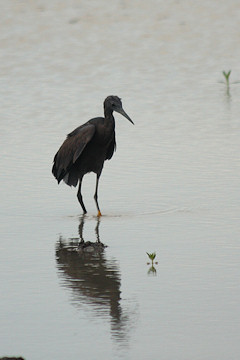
114, 103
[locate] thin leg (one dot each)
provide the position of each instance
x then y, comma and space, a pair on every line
96, 195
79, 196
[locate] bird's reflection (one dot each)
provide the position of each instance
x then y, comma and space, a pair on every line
93, 278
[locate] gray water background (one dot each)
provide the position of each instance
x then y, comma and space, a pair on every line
171, 187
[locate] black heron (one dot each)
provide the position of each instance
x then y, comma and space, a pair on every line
87, 147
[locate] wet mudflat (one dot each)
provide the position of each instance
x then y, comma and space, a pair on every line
172, 186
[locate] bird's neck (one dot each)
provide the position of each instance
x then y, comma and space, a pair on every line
108, 114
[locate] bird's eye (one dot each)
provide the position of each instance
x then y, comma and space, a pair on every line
113, 104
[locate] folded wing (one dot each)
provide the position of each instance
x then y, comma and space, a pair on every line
71, 150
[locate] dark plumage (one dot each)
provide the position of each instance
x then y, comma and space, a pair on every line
87, 147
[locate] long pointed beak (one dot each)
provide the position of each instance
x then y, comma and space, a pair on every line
122, 112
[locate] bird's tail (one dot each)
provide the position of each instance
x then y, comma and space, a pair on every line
70, 177
57, 171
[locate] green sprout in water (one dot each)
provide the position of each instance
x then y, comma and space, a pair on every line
152, 256
152, 269
227, 75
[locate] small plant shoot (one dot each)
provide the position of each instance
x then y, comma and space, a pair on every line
227, 75
152, 256
152, 270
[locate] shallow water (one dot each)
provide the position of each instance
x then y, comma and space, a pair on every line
171, 187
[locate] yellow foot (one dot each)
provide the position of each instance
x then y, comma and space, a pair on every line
99, 213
